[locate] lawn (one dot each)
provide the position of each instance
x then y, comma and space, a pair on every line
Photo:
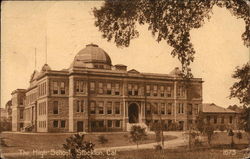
29, 142
223, 138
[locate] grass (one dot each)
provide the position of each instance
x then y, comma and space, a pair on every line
29, 142
222, 138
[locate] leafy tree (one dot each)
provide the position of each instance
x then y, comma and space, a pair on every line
137, 134
102, 139
209, 131
239, 135
231, 133
245, 119
158, 129
241, 88
169, 20
200, 125
75, 144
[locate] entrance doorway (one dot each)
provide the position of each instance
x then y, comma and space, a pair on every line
133, 113
80, 126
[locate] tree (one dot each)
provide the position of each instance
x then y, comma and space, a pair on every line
241, 88
239, 135
137, 134
231, 133
75, 144
200, 125
209, 131
169, 20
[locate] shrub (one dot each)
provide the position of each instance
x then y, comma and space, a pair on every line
239, 135
137, 134
75, 144
197, 142
158, 147
222, 127
102, 139
2, 142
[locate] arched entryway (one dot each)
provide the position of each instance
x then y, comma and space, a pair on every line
133, 113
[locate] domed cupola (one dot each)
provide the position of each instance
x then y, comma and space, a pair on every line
92, 56
45, 68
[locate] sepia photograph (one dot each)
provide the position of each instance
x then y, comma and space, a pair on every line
125, 79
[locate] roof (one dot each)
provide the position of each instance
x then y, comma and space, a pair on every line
213, 108
91, 54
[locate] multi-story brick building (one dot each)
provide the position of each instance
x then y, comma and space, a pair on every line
94, 95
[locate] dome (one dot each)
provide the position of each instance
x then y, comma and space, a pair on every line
176, 71
46, 67
92, 56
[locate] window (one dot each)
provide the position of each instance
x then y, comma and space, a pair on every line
55, 107
215, 119
181, 108
117, 89
55, 123
196, 109
77, 86
93, 124
190, 109
181, 91
162, 108
79, 106
110, 123
62, 88
117, 107
148, 110
109, 90
155, 90
230, 119
109, 108
63, 123
92, 107
147, 90
92, 87
78, 109
21, 113
155, 107
100, 90
169, 109
100, 108
101, 123
130, 89
55, 88
21, 101
136, 90
162, 91
117, 123
80, 86
168, 91
208, 119
222, 120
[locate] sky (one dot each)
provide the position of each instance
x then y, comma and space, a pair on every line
69, 27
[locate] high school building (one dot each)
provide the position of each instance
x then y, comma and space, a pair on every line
94, 95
